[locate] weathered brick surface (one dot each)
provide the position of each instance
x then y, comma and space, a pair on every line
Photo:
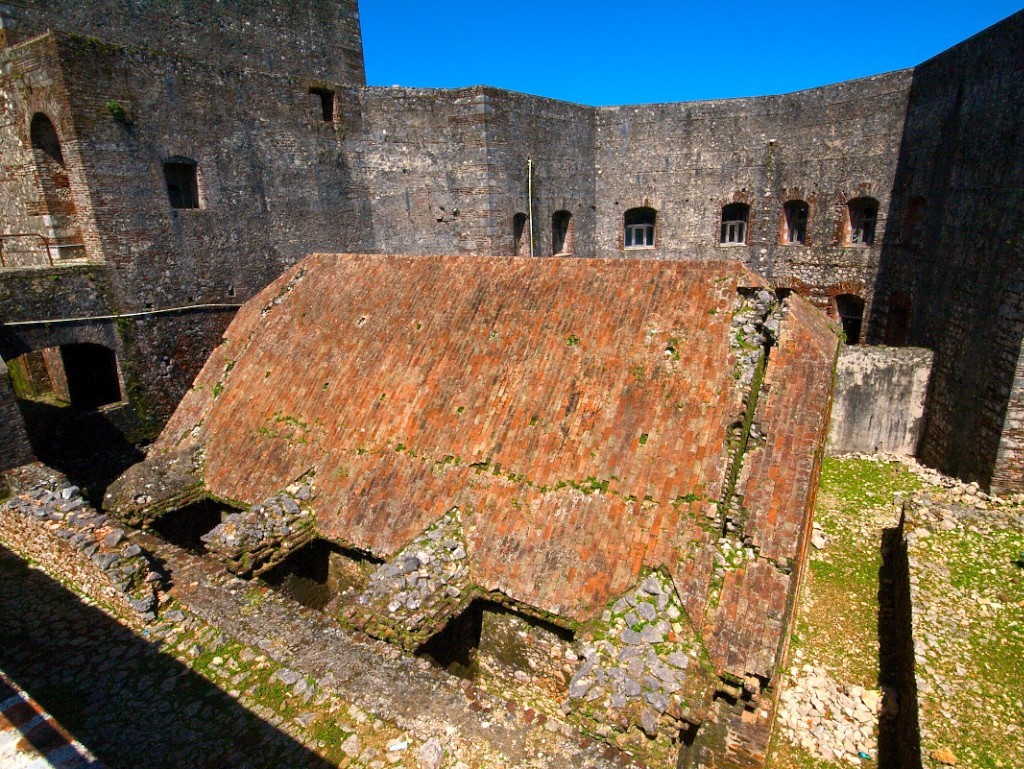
544, 399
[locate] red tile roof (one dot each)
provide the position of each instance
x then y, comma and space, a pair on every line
576, 411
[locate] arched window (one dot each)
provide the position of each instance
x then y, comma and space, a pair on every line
181, 175
863, 215
520, 236
796, 213
561, 233
638, 229
734, 223
60, 216
44, 138
850, 308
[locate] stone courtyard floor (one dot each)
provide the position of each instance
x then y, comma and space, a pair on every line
232, 674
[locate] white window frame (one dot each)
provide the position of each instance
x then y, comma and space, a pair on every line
639, 235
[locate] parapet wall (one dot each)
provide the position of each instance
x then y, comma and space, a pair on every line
306, 38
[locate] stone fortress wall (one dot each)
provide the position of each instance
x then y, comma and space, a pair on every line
293, 154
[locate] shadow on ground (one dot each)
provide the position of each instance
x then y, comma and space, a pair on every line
133, 707
899, 739
84, 444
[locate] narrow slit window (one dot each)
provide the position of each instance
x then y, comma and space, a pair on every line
322, 100
561, 233
520, 236
181, 175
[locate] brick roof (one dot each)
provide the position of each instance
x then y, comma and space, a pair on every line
576, 411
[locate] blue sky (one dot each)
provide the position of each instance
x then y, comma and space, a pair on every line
641, 51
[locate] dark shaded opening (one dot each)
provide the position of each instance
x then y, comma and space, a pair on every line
851, 315
863, 214
456, 648
91, 371
913, 222
185, 527
897, 326
796, 213
323, 103
520, 237
182, 182
45, 139
317, 573
561, 233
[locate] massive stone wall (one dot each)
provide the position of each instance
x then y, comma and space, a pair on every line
447, 170
306, 38
824, 146
951, 276
273, 180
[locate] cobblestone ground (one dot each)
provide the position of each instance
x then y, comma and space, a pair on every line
131, 704
233, 674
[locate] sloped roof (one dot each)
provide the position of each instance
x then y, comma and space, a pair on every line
576, 411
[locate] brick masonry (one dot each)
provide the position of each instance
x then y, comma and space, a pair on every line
578, 414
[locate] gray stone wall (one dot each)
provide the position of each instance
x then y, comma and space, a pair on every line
824, 146
951, 276
307, 38
878, 401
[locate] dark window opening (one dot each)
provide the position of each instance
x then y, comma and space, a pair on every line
59, 391
44, 138
520, 236
456, 647
851, 314
182, 182
318, 574
913, 222
322, 100
186, 526
735, 217
863, 214
796, 213
638, 224
92, 378
561, 233
897, 327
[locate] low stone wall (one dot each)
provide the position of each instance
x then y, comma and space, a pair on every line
879, 400
48, 521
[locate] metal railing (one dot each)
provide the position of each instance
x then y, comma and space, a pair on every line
47, 244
